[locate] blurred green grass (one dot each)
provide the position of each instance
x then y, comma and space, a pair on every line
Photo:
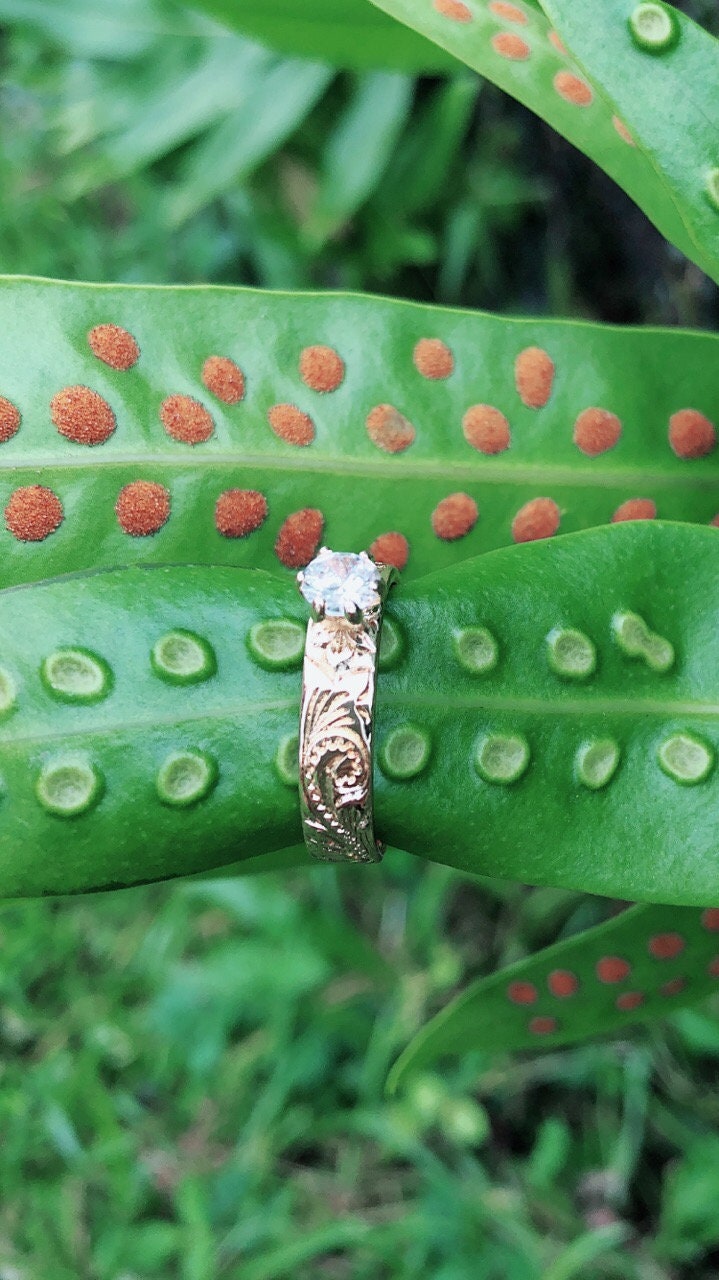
192, 1086
191, 1075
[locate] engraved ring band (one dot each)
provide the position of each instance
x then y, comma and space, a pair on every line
347, 593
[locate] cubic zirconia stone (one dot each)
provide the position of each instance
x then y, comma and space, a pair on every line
342, 582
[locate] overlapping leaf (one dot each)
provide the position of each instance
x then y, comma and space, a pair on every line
477, 677
642, 964
101, 757
668, 100
346, 474
649, 121
358, 37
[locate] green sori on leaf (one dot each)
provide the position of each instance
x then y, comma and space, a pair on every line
644, 963
631, 84
489, 768
234, 427
654, 27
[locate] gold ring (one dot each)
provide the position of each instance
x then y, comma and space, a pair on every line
347, 593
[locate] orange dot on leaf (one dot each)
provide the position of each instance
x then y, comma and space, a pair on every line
10, 419
142, 508
33, 513
186, 420
673, 987
563, 983
538, 518
291, 425
613, 969
635, 509
455, 516
509, 12
486, 429
623, 131
321, 368
665, 946
114, 346
596, 431
453, 9
572, 89
534, 376
691, 435
224, 379
299, 538
522, 992
390, 548
629, 1000
238, 512
81, 415
389, 429
433, 359
543, 1026
509, 45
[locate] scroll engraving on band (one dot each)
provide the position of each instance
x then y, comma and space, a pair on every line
336, 738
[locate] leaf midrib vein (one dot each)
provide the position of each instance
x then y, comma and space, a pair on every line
562, 707
238, 711
419, 468
520, 705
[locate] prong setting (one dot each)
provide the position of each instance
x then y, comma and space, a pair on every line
341, 585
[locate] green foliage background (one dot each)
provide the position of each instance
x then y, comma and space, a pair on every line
192, 1076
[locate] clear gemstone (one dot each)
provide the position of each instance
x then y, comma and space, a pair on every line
341, 582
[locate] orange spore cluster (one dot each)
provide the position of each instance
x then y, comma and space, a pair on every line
10, 419
453, 9
238, 512
186, 420
390, 548
224, 379
715, 521
33, 513
613, 969
563, 983
673, 986
629, 1000
522, 992
538, 518
291, 424
486, 429
623, 131
713, 967
510, 12
321, 368
558, 43
114, 346
433, 359
635, 509
710, 919
691, 434
572, 89
596, 431
142, 507
389, 429
542, 1026
455, 516
665, 946
534, 377
299, 538
509, 45
81, 415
